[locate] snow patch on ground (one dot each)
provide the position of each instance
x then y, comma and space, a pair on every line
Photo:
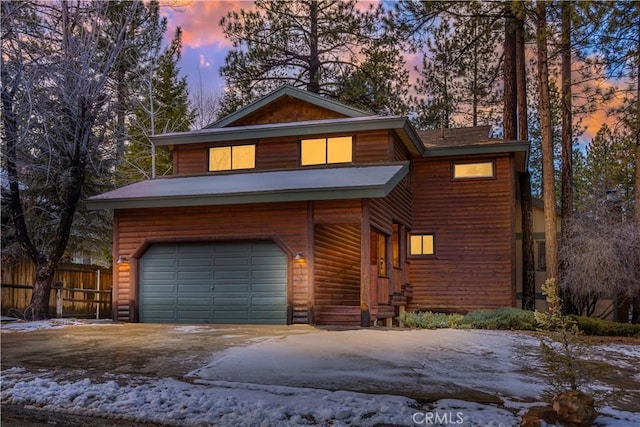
191, 329
22, 326
231, 404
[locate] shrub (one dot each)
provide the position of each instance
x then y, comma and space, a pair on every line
595, 326
429, 320
502, 318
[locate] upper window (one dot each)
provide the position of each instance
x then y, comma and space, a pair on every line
321, 151
232, 157
473, 170
422, 244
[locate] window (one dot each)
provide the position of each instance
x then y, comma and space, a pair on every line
379, 251
473, 170
322, 151
422, 244
232, 157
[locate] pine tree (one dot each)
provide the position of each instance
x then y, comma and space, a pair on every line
164, 109
323, 46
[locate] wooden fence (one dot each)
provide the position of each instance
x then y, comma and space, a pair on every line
86, 290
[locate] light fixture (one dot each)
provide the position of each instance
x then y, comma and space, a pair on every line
299, 256
121, 260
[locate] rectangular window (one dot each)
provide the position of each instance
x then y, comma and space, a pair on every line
422, 244
473, 170
322, 151
232, 158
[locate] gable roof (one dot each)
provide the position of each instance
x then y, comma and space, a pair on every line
293, 92
365, 181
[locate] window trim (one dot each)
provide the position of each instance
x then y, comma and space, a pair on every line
231, 147
473, 178
422, 234
326, 150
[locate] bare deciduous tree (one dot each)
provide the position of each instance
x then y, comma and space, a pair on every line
601, 257
55, 110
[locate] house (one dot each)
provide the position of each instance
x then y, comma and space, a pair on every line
298, 209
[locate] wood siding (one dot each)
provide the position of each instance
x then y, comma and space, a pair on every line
373, 146
283, 153
136, 229
337, 265
473, 221
287, 110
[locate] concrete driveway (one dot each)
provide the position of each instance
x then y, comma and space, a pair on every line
91, 350
225, 375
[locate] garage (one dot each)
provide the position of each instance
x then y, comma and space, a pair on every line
216, 282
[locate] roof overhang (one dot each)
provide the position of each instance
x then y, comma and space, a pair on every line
371, 181
519, 148
398, 124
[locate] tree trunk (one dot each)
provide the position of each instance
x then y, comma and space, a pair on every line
567, 122
526, 202
510, 124
45, 271
548, 179
314, 60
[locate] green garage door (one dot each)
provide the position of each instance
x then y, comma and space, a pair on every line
235, 282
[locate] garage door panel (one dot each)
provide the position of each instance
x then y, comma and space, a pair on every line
195, 275
195, 263
220, 282
257, 301
221, 275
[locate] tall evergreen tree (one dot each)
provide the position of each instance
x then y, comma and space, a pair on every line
164, 108
460, 73
317, 45
548, 168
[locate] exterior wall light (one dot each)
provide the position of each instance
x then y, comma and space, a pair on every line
122, 260
299, 256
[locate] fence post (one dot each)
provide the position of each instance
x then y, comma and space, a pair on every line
98, 299
59, 300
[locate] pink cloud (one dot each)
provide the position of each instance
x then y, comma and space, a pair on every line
200, 20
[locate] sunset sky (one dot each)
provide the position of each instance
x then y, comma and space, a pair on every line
205, 47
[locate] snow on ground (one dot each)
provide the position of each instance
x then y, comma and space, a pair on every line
22, 326
300, 379
423, 364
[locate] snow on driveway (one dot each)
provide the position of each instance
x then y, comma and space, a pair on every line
417, 363
327, 378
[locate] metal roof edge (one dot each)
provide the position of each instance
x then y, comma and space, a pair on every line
498, 147
303, 128
330, 193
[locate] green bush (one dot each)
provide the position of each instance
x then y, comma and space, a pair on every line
429, 320
595, 326
502, 318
